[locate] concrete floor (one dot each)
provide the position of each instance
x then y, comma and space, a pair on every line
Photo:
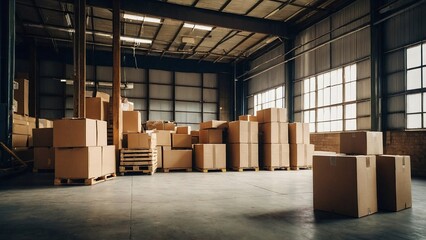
232, 205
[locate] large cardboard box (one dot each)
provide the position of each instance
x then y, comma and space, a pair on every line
21, 96
164, 138
248, 118
210, 156
213, 124
24, 153
45, 123
276, 155
195, 140
20, 129
160, 155
393, 182
181, 141
19, 140
301, 155
272, 115
173, 158
96, 108
78, 163
79, 133
213, 136
243, 132
132, 122
345, 184
244, 155
274, 132
141, 140
363, 142
44, 158
299, 133
43, 137
108, 160
183, 130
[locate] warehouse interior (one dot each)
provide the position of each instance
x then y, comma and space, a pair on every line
336, 67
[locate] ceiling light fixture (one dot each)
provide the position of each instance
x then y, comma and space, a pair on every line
198, 27
135, 40
141, 18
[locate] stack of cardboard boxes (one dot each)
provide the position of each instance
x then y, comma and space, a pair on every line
243, 145
210, 153
273, 131
22, 128
179, 156
301, 151
139, 154
44, 153
81, 152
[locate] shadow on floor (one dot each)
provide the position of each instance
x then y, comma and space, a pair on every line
27, 180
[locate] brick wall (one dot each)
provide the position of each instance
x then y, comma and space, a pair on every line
326, 141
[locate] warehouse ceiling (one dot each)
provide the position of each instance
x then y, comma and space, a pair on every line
180, 32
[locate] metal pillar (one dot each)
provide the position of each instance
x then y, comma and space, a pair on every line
80, 59
375, 66
116, 93
289, 68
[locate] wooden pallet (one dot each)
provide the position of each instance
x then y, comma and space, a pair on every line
301, 168
138, 163
83, 181
35, 170
138, 169
276, 168
205, 170
166, 170
256, 169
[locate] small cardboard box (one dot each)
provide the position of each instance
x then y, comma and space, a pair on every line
183, 130
272, 115
210, 156
108, 160
213, 124
102, 134
301, 155
276, 155
213, 136
44, 123
20, 129
170, 126
299, 133
78, 163
248, 118
177, 158
19, 140
21, 96
44, 158
141, 140
345, 185
363, 142
164, 138
195, 133
195, 140
43, 137
75, 133
393, 182
274, 132
244, 155
243, 132
160, 155
96, 108
181, 141
132, 122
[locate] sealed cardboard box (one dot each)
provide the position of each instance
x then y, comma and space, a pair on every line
363, 142
195, 133
160, 155
195, 140
43, 137
244, 155
345, 184
248, 118
213, 124
96, 108
276, 155
44, 123
20, 129
243, 132
104, 96
21, 96
183, 130
78, 163
132, 121
177, 158
181, 141
169, 126
79, 133
164, 138
274, 132
393, 182
301, 155
210, 156
213, 136
299, 133
102, 133
44, 158
19, 140
141, 140
108, 160
272, 115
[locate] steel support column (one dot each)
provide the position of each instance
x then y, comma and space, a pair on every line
375, 66
289, 68
80, 58
116, 92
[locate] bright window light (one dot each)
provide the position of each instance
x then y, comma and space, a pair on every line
198, 27
141, 18
135, 40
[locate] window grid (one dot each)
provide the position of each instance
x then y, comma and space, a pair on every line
269, 99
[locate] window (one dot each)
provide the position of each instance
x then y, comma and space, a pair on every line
269, 99
416, 86
329, 100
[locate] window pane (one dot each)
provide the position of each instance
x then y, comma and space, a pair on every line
348, 74
312, 127
350, 91
306, 85
320, 98
339, 112
424, 54
326, 79
339, 94
306, 101
414, 79
279, 103
350, 125
306, 116
414, 103
424, 76
333, 77
334, 126
312, 84
272, 95
414, 56
327, 114
353, 72
320, 80
312, 116
327, 127
320, 115
312, 99
334, 94
339, 76
264, 97
327, 96
333, 113
424, 120
320, 127
350, 111
279, 92
424, 102
414, 121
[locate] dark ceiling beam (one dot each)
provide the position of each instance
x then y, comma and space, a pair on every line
224, 39
300, 5
41, 17
234, 47
279, 8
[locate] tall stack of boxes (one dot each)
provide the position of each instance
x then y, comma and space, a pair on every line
273, 132
243, 145
44, 153
301, 151
179, 156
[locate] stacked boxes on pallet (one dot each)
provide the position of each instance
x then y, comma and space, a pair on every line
81, 151
22, 131
44, 153
210, 153
140, 153
243, 145
273, 129
179, 156
301, 151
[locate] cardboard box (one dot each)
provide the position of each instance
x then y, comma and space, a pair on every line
44, 123
181, 141
272, 115
363, 142
183, 130
44, 158
195, 133
213, 124
31, 126
177, 158
345, 184
244, 155
15, 106
19, 140
20, 129
102, 133
164, 138
108, 160
152, 125
78, 163
43, 137
132, 122
195, 140
79, 133
393, 182
248, 118
160, 155
243, 132
274, 132
141, 140
276, 155
104, 96
299, 133
169, 126
24, 153
213, 136
301, 155
96, 108
21, 96
210, 156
